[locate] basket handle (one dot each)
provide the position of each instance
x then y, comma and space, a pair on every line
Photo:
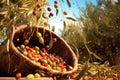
74, 48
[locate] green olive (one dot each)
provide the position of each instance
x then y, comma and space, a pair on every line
36, 59
30, 76
37, 75
33, 51
37, 48
64, 70
49, 67
42, 53
41, 40
25, 53
70, 67
45, 61
22, 46
50, 63
38, 34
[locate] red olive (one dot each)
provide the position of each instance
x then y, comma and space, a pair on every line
49, 9
55, 2
56, 6
38, 5
18, 75
54, 40
51, 14
26, 42
34, 13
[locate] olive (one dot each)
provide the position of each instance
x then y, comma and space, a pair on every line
41, 40
26, 42
30, 76
25, 53
37, 75
18, 75
38, 34
70, 67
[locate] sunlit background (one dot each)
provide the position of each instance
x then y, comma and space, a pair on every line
73, 11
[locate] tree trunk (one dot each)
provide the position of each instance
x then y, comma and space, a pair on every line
113, 57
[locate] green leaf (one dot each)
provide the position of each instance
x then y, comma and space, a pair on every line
50, 43
56, 12
68, 2
23, 9
8, 2
84, 70
70, 18
53, 28
64, 25
44, 16
29, 12
3, 12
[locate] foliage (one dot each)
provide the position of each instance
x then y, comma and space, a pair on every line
71, 35
102, 28
75, 36
31, 12
17, 12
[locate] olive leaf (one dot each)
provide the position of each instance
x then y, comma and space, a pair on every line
23, 9
50, 43
68, 2
3, 12
25, 5
8, 2
53, 28
70, 18
44, 16
30, 12
56, 12
64, 25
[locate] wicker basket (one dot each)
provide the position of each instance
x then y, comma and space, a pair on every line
12, 61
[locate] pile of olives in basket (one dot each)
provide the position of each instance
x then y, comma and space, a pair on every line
41, 55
